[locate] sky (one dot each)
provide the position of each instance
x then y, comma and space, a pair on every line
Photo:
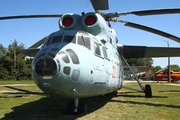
29, 31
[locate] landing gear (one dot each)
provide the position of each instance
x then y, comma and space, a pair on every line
74, 107
71, 107
148, 91
82, 109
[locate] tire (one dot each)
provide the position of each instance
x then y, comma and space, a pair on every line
82, 108
71, 107
148, 91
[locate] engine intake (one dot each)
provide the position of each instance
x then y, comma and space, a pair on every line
69, 21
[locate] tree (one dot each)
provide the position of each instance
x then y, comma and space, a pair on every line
2, 50
140, 61
155, 69
175, 68
14, 49
10, 67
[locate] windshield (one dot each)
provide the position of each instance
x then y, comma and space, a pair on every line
69, 39
81, 40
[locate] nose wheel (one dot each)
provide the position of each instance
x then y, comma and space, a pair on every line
74, 107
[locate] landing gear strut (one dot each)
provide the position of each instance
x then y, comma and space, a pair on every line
147, 89
74, 107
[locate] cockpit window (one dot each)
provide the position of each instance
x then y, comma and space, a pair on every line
69, 38
47, 42
97, 49
64, 57
84, 41
56, 39
105, 52
73, 56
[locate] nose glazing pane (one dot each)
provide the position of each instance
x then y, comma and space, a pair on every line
46, 67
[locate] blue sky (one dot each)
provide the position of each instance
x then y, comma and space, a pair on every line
28, 31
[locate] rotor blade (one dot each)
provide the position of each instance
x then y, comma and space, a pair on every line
30, 16
100, 4
37, 44
31, 52
157, 11
145, 52
152, 30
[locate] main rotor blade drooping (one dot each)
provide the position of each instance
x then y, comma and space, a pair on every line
31, 51
152, 30
31, 16
114, 17
156, 12
149, 12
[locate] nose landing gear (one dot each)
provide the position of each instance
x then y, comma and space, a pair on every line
74, 107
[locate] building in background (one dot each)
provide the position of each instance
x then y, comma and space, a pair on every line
142, 72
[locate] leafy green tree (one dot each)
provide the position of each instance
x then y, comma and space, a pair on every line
155, 69
175, 68
24, 71
10, 67
2, 50
140, 61
13, 50
6, 64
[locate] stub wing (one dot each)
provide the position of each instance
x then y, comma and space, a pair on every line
144, 51
31, 51
28, 52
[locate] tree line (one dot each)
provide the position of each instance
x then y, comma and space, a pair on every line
10, 66
20, 69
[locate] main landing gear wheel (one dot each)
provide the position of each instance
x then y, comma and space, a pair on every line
71, 107
148, 91
81, 108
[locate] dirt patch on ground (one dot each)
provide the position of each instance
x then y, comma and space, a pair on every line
19, 85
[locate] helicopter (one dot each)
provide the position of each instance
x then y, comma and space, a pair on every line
83, 58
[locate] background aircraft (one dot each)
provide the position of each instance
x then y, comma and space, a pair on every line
51, 66
163, 75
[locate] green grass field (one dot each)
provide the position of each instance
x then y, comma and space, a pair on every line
31, 104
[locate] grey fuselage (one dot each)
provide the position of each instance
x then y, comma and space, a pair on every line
79, 60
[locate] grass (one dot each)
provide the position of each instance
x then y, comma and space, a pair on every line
124, 105
6, 82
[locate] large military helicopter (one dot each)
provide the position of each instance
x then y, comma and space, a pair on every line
84, 59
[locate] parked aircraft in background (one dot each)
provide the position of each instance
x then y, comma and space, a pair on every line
163, 76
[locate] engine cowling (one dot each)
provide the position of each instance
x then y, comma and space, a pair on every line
69, 21
93, 23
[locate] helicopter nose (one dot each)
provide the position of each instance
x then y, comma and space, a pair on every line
46, 68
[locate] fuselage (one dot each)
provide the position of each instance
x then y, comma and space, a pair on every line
80, 60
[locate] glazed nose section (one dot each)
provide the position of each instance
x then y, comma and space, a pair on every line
46, 68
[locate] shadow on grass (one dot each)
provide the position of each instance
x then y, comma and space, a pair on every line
170, 91
22, 91
136, 95
146, 103
53, 108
